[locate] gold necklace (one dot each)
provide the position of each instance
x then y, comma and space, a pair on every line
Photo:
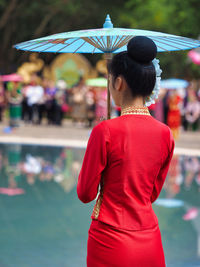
135, 110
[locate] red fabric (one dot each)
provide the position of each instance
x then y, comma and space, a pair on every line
110, 247
152, 107
132, 153
174, 114
118, 108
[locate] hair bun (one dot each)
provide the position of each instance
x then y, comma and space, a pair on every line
141, 49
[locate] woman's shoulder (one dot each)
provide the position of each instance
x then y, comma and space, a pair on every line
101, 127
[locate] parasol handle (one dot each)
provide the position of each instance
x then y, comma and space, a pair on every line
108, 57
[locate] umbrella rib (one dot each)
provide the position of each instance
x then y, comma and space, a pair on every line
79, 47
164, 49
116, 45
167, 44
111, 39
33, 44
103, 42
176, 41
189, 39
40, 45
99, 42
125, 41
87, 39
51, 46
108, 42
93, 50
47, 42
184, 39
92, 42
115, 41
26, 43
67, 45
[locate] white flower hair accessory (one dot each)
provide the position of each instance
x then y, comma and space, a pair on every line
154, 95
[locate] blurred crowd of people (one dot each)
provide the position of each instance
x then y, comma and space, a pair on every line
34, 101
43, 99
86, 106
178, 109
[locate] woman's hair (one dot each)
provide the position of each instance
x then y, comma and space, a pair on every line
136, 66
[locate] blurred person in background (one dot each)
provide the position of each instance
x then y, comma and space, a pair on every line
60, 102
90, 106
14, 98
79, 103
50, 94
2, 99
165, 105
174, 114
192, 111
101, 105
42, 103
159, 106
34, 93
25, 107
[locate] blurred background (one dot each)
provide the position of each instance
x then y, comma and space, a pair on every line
49, 104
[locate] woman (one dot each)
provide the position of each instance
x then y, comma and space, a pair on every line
192, 111
2, 100
129, 157
15, 98
79, 103
174, 113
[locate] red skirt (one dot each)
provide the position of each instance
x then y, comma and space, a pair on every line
111, 247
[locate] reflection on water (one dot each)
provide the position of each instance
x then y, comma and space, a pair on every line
178, 211
43, 223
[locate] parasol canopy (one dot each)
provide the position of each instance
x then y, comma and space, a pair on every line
104, 40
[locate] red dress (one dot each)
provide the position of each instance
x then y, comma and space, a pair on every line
174, 114
129, 156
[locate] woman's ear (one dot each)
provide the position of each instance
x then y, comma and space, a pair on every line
118, 83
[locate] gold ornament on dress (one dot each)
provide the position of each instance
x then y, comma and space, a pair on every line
97, 206
135, 110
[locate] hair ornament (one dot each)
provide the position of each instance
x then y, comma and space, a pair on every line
154, 95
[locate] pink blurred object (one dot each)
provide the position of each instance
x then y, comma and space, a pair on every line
190, 214
14, 77
11, 191
194, 56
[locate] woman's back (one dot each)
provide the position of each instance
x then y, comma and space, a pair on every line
136, 151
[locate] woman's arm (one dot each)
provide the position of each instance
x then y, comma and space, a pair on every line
94, 163
163, 170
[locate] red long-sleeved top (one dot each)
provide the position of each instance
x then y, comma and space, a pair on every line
132, 153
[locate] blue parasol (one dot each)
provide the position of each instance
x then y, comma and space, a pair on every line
105, 40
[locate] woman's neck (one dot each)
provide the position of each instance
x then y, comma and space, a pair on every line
135, 102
